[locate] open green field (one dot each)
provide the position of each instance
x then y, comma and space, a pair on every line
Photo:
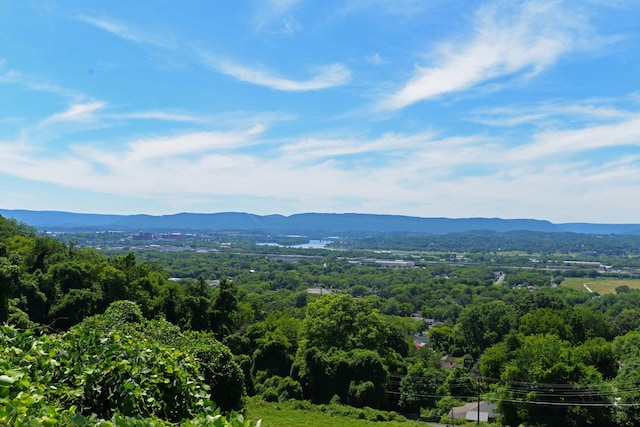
286, 415
600, 285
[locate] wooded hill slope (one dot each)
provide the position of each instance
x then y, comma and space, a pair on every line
546, 354
322, 223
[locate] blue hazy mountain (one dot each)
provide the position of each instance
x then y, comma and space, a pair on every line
325, 223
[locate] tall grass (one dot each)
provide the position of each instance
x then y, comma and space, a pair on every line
304, 414
600, 285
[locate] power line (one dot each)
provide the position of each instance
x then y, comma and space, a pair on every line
568, 395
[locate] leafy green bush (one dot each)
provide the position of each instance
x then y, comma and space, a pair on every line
117, 364
123, 373
361, 393
86, 376
121, 312
100, 374
357, 377
215, 365
220, 372
280, 389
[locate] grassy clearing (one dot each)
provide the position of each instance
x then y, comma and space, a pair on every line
302, 414
600, 285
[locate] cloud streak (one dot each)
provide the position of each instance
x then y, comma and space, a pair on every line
129, 33
562, 143
190, 143
78, 113
179, 163
325, 77
12, 76
547, 114
419, 170
510, 38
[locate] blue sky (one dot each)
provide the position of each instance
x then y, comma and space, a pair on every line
511, 109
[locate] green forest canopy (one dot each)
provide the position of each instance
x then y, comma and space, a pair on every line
263, 334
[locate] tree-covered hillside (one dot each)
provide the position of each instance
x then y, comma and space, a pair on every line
65, 362
320, 326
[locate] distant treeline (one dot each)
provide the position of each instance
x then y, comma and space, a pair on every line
523, 241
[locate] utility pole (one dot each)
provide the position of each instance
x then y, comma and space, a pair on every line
478, 400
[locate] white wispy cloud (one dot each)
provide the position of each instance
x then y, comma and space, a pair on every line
13, 76
562, 143
97, 111
376, 59
509, 38
314, 149
590, 111
189, 143
81, 112
129, 32
419, 171
324, 77
169, 116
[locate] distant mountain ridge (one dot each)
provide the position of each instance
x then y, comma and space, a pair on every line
304, 223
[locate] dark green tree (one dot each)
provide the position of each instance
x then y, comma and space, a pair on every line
9, 280
419, 387
225, 305
483, 325
546, 384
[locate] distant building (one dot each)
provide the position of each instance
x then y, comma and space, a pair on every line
593, 264
172, 236
319, 291
470, 412
384, 263
142, 236
291, 258
584, 263
420, 340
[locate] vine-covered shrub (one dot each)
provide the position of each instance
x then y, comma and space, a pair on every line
120, 313
107, 371
217, 370
281, 389
100, 374
220, 372
114, 372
